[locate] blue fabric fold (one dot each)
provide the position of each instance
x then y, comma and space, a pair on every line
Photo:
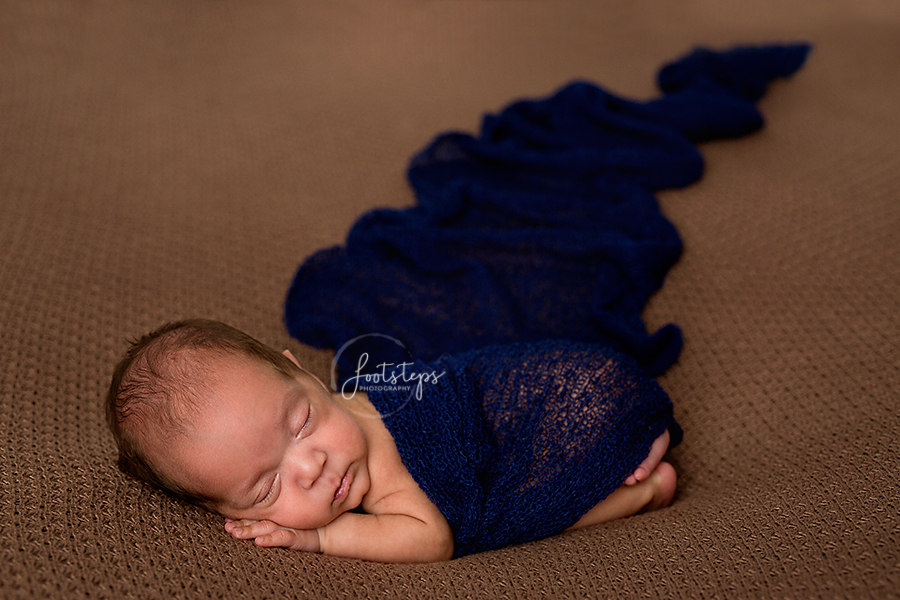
542, 227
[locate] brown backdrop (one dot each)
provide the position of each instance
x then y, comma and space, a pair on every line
170, 158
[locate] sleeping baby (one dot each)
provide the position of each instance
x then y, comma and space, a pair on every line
468, 453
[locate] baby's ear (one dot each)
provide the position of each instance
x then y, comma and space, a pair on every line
291, 356
296, 362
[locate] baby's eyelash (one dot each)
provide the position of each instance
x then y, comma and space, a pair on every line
305, 422
270, 492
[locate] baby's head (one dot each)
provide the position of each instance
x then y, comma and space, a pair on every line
211, 415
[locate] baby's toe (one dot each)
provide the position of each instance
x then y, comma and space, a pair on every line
639, 475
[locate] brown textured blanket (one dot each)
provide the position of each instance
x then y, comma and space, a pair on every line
162, 159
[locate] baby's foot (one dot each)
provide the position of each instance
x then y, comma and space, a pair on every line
664, 481
657, 451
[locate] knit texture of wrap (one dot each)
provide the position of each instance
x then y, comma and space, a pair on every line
543, 227
514, 443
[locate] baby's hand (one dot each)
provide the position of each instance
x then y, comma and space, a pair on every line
270, 534
657, 450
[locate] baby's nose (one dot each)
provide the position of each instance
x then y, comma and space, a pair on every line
308, 467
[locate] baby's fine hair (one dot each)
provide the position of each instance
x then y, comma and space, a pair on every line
162, 379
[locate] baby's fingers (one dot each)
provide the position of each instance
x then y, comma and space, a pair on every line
246, 528
231, 524
281, 537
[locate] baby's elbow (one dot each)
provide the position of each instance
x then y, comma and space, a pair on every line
447, 547
441, 546
442, 549
432, 540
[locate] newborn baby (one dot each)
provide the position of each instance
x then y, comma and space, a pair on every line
215, 417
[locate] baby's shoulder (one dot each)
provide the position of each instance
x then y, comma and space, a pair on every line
392, 489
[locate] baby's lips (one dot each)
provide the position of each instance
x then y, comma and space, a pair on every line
343, 488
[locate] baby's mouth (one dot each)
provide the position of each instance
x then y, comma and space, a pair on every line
344, 488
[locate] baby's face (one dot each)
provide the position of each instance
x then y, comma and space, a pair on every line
273, 448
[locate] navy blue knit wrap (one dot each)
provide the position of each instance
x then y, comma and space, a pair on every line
514, 443
542, 227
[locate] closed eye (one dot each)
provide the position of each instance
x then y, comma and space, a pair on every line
270, 493
305, 424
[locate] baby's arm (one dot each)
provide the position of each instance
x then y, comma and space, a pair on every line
425, 537
388, 538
